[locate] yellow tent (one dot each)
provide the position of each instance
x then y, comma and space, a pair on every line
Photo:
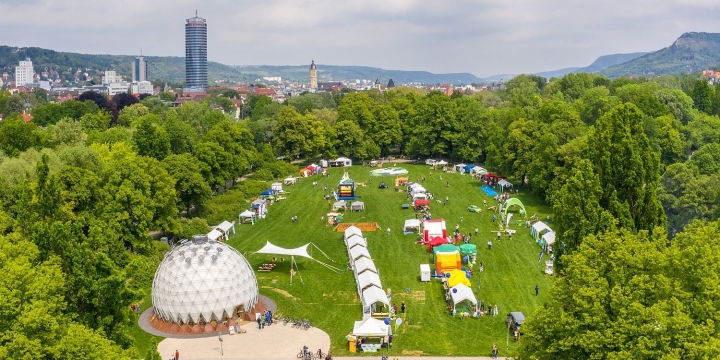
458, 277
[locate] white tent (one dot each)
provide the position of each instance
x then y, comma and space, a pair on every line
411, 226
364, 264
441, 162
504, 183
343, 161
247, 216
366, 280
215, 235
460, 293
548, 238
289, 181
539, 228
357, 252
419, 196
260, 208
374, 295
371, 327
478, 170
276, 186
417, 190
225, 227
357, 206
352, 230
355, 241
460, 167
339, 205
299, 251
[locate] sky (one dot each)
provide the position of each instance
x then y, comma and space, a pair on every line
482, 37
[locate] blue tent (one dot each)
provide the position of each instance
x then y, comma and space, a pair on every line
469, 167
268, 192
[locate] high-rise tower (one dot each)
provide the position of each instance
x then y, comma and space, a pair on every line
196, 53
313, 75
139, 69
24, 73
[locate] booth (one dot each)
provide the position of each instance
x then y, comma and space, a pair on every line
478, 171
425, 272
445, 262
421, 203
225, 228
268, 192
468, 251
463, 298
354, 241
333, 218
247, 217
492, 179
411, 226
460, 167
547, 240
352, 230
339, 205
419, 196
215, 235
357, 206
503, 184
289, 181
357, 252
457, 277
538, 229
260, 208
277, 186
363, 264
346, 188
371, 332
340, 162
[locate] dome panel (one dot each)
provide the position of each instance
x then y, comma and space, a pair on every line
196, 279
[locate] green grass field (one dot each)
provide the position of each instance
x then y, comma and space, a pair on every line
330, 300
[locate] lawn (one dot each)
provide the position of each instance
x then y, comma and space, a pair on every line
330, 300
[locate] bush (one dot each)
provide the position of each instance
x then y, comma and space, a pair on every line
263, 175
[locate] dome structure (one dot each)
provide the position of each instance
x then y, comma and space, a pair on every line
203, 281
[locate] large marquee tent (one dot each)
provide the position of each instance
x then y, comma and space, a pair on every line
374, 295
538, 229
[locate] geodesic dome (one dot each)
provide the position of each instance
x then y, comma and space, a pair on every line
201, 280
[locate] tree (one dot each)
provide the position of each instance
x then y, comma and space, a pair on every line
518, 148
130, 113
95, 121
702, 96
102, 102
124, 100
150, 139
66, 132
180, 134
216, 163
17, 136
190, 187
293, 133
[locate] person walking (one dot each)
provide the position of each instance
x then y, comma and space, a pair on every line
537, 290
402, 307
177, 355
388, 231
476, 231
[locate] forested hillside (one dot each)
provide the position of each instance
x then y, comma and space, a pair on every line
626, 164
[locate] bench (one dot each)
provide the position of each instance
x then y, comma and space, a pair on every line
405, 206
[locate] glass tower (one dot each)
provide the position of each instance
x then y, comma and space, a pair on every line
196, 53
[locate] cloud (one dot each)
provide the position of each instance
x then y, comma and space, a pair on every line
483, 37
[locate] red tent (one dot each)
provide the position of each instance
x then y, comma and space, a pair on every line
436, 241
420, 202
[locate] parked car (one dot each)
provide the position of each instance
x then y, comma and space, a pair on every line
474, 208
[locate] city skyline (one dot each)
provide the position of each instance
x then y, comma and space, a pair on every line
480, 37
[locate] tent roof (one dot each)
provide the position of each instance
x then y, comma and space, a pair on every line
513, 201
276, 250
370, 327
225, 226
353, 230
374, 294
363, 264
357, 203
540, 226
438, 240
518, 317
468, 249
549, 238
421, 202
445, 247
479, 170
258, 201
368, 278
276, 183
355, 241
504, 183
267, 192
291, 178
247, 213
342, 159
339, 203
214, 234
358, 252
460, 165
462, 292
442, 162
412, 223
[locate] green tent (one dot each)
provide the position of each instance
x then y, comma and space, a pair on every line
467, 249
444, 248
514, 201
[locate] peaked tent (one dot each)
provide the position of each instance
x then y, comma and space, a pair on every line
503, 184
299, 251
468, 249
460, 167
339, 205
215, 235
276, 186
538, 229
371, 327
355, 240
268, 192
357, 206
247, 216
458, 277
441, 162
411, 226
290, 181
460, 293
352, 230
373, 295
364, 264
357, 252
478, 170
367, 279
225, 227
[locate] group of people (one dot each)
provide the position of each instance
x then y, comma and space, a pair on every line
265, 320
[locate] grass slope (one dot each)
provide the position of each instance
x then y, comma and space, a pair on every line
330, 300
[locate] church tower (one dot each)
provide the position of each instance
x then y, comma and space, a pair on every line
313, 76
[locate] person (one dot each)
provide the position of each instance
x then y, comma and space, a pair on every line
259, 321
495, 310
490, 245
395, 309
485, 202
481, 267
319, 354
476, 231
494, 351
498, 235
305, 350
177, 355
494, 217
537, 290
517, 334
328, 356
390, 337
541, 255
388, 231
402, 307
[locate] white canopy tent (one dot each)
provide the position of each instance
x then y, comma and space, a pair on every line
357, 252
478, 170
357, 206
355, 241
373, 295
343, 161
371, 327
504, 183
419, 196
366, 280
364, 264
289, 181
411, 225
225, 227
247, 216
441, 162
301, 251
460, 167
339, 205
277, 186
549, 238
352, 230
538, 229
460, 293
215, 235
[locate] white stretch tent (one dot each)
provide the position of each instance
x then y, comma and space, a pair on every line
371, 327
366, 280
504, 183
373, 295
247, 216
214, 235
357, 206
460, 293
225, 227
357, 252
411, 226
276, 186
353, 230
539, 228
299, 251
355, 241
364, 264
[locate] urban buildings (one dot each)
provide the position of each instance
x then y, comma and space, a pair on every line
196, 78
313, 76
24, 73
111, 77
139, 69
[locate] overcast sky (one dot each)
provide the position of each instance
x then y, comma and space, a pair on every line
483, 37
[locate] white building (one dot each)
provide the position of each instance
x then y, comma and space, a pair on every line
24, 73
142, 87
111, 76
117, 88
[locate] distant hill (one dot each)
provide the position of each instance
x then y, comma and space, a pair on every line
691, 52
557, 73
172, 69
606, 61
